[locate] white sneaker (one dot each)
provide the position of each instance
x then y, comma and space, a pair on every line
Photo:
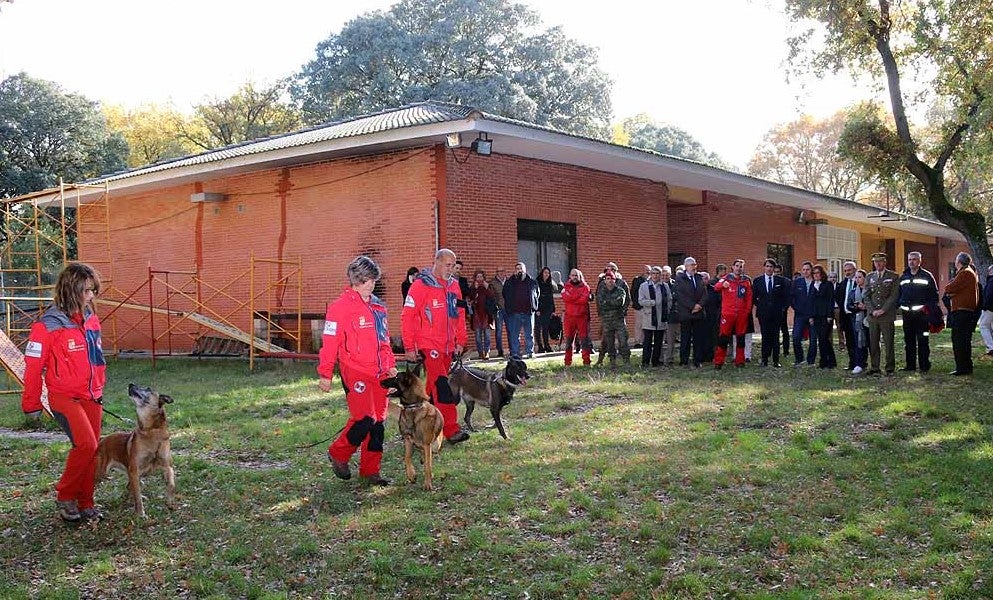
857, 370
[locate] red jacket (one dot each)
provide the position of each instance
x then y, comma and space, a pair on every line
356, 335
576, 299
70, 354
431, 319
737, 297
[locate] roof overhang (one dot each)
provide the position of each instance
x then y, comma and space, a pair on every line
509, 137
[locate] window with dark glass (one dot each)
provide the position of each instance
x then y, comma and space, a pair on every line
546, 244
783, 253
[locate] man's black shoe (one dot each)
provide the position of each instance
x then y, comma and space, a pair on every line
909, 369
889, 373
958, 373
873, 372
375, 479
341, 470
765, 363
778, 365
458, 437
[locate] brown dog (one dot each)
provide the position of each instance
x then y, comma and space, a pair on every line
145, 448
420, 422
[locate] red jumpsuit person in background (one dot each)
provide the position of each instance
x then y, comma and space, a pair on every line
576, 297
433, 324
736, 308
356, 337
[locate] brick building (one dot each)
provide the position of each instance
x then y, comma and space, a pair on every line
398, 184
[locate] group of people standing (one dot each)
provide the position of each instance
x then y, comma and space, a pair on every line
713, 317
519, 304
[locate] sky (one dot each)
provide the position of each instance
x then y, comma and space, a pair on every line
715, 68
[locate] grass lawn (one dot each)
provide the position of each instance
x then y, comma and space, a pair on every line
672, 483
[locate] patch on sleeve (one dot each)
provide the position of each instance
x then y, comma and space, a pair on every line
330, 328
409, 301
33, 350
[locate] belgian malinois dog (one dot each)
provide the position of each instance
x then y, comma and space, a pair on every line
144, 449
420, 422
493, 390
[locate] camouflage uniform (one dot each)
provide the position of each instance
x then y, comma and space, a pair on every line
612, 304
882, 292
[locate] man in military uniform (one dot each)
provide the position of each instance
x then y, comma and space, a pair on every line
882, 290
612, 300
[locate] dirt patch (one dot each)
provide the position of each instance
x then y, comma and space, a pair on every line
47, 437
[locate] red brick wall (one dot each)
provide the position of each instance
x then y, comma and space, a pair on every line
325, 213
725, 228
617, 218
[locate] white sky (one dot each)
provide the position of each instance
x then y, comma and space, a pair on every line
712, 67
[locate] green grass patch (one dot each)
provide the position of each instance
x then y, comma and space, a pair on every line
672, 483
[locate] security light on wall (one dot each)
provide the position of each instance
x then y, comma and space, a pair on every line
482, 145
453, 140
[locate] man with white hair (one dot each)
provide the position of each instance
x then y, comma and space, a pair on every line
433, 325
691, 296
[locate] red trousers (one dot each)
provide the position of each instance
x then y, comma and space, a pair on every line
365, 428
80, 420
736, 324
436, 366
577, 327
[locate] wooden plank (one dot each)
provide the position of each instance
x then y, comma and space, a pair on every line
13, 362
224, 328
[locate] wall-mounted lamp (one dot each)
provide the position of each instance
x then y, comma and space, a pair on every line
482, 145
453, 140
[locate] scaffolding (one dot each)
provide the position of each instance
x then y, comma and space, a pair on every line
39, 234
181, 306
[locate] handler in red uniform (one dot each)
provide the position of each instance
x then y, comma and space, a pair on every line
356, 337
433, 323
576, 297
736, 308
65, 345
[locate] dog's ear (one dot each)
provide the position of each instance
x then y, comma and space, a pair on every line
390, 382
164, 398
416, 371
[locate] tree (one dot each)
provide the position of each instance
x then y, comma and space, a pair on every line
948, 45
46, 133
488, 54
151, 131
641, 131
251, 113
804, 153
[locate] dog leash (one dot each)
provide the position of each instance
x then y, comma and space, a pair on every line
118, 417
460, 365
333, 435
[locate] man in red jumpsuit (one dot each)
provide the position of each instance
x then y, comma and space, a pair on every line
356, 337
576, 297
433, 324
735, 289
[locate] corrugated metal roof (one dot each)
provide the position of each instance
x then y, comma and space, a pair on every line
411, 115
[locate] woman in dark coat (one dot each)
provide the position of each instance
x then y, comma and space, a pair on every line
823, 320
482, 300
547, 288
405, 286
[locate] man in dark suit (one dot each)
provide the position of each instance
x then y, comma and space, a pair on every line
691, 297
846, 318
770, 298
803, 311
